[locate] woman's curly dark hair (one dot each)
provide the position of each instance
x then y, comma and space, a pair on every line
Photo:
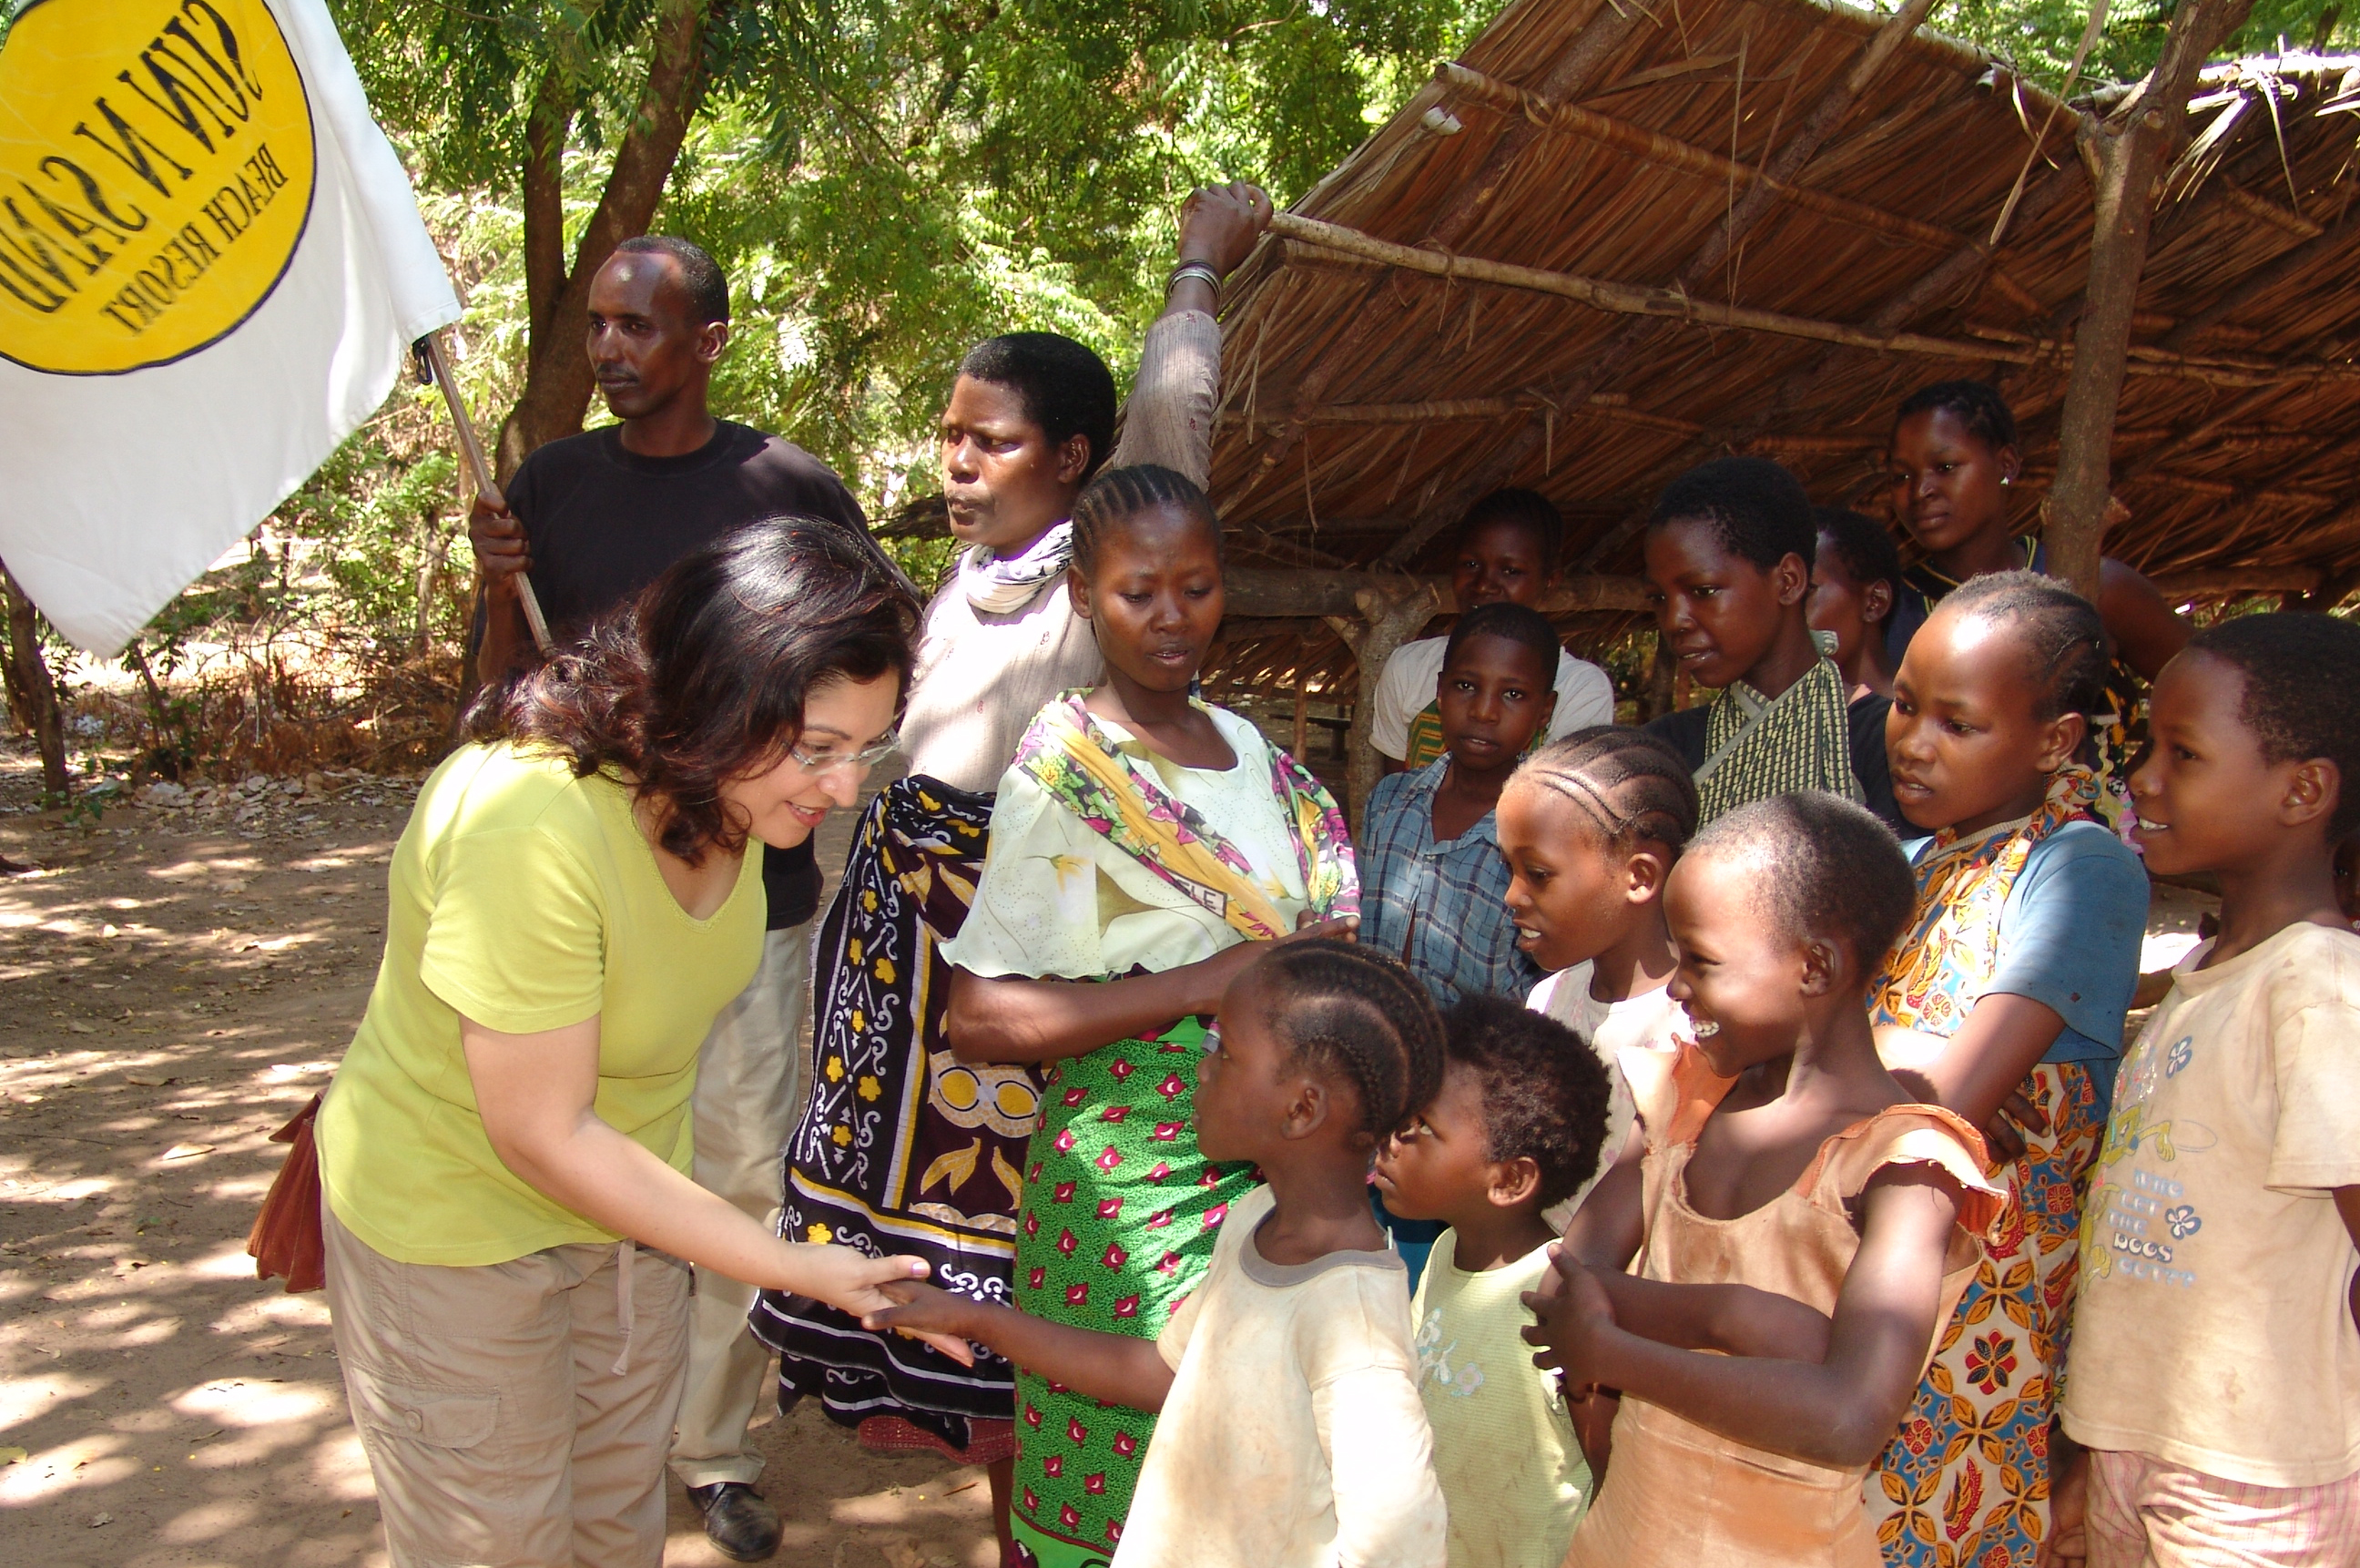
703, 677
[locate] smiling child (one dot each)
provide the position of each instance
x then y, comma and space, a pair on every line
1506, 554
1729, 553
1789, 1206
2216, 1352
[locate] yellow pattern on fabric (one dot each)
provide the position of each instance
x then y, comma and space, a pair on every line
1756, 747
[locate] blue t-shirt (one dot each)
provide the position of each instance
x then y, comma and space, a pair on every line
2069, 939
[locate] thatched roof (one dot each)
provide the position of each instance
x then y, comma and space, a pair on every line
1371, 390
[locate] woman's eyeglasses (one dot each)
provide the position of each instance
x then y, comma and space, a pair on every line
865, 759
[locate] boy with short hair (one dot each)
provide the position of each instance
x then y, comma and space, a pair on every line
1433, 886
1729, 552
1506, 554
1515, 1128
2215, 1371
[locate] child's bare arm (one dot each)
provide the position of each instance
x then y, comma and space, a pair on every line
1605, 1232
1114, 1368
1735, 1320
1840, 1411
1978, 1073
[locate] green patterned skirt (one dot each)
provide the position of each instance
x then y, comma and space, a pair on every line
1118, 1223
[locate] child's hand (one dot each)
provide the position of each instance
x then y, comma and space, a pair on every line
853, 1282
923, 1312
1567, 1319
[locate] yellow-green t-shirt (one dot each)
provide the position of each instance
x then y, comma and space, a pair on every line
526, 899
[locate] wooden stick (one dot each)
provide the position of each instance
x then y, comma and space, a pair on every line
1636, 299
471, 450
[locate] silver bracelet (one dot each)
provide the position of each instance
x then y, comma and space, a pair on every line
1196, 269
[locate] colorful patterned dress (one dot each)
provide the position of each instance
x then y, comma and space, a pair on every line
1965, 1483
903, 1149
1108, 861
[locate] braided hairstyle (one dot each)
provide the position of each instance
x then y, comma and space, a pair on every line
2064, 642
1632, 786
1117, 495
1545, 1092
2302, 693
1974, 404
1351, 1013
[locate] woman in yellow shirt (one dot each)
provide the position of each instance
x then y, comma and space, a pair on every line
505, 1152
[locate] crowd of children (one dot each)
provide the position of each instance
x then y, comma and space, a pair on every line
1752, 1076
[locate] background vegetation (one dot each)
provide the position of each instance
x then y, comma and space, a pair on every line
885, 182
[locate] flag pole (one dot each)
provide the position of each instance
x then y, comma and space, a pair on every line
471, 448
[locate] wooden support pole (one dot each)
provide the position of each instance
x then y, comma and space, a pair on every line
2130, 148
1302, 704
1384, 617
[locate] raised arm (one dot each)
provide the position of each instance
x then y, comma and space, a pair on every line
1116, 1368
1840, 1411
536, 1095
1169, 419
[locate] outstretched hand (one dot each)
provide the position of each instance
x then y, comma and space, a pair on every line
1219, 223
1568, 1322
853, 1282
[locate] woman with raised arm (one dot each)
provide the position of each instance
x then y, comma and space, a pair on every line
904, 1149
509, 1218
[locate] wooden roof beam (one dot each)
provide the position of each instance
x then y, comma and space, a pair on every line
1638, 300
1254, 595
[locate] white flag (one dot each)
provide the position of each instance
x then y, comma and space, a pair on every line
211, 267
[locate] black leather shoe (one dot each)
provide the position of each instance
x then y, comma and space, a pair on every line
740, 1525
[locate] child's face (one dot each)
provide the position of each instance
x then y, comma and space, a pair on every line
1720, 612
1967, 745
1500, 562
1570, 896
1245, 1086
1492, 697
1840, 605
1741, 980
2206, 799
1154, 598
1946, 481
1438, 1164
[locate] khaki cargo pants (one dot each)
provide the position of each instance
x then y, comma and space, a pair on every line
516, 1414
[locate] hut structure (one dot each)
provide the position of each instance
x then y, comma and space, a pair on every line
1613, 241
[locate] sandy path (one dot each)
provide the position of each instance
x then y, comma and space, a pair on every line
173, 986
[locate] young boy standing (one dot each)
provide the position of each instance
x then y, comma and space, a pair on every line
1433, 886
2215, 1371
1507, 555
1516, 1128
1728, 554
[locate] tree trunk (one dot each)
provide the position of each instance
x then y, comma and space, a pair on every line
32, 694
558, 383
544, 204
2133, 147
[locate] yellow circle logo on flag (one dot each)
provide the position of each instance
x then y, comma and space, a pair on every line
156, 173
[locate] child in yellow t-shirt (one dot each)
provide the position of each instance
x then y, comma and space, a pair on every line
1517, 1127
2215, 1371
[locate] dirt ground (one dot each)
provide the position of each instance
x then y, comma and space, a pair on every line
175, 982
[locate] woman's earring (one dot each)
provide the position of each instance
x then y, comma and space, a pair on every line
2006, 480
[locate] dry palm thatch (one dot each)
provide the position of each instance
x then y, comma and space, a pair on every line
1613, 241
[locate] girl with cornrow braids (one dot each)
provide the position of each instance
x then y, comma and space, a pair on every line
1590, 827
1148, 846
1291, 1433
2003, 1003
